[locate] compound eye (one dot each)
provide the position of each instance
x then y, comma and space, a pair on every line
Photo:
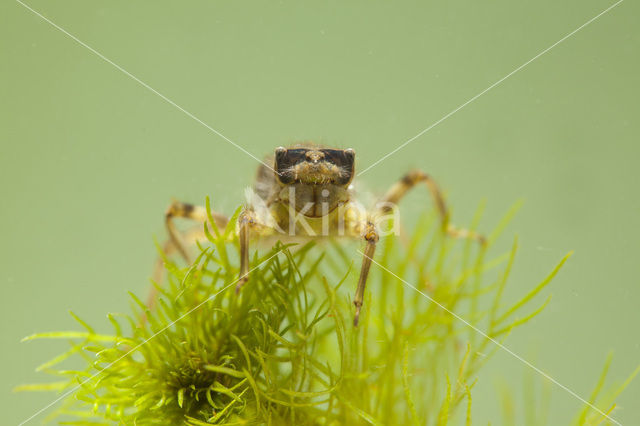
350, 153
348, 165
281, 157
343, 158
284, 162
281, 166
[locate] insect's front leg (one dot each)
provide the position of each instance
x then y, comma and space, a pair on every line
245, 221
371, 239
192, 212
249, 224
179, 241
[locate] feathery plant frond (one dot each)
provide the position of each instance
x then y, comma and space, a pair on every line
284, 350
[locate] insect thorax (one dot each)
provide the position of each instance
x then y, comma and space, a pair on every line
314, 200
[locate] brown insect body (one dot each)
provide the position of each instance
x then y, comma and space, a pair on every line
307, 194
309, 178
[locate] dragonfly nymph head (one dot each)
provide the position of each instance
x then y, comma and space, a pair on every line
315, 166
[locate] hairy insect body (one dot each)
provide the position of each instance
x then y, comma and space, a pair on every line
308, 194
315, 200
344, 219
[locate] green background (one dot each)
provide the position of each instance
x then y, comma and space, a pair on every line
90, 159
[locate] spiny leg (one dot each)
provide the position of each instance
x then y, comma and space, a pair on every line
175, 243
371, 238
411, 179
244, 223
188, 211
248, 222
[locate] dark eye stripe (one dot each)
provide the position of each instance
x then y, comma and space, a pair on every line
290, 157
286, 159
338, 157
333, 155
341, 159
294, 155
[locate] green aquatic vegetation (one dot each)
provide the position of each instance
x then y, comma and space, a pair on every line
284, 350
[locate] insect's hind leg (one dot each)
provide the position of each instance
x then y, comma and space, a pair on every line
410, 180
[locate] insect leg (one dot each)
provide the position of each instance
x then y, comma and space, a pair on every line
410, 180
245, 221
371, 238
250, 224
188, 211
